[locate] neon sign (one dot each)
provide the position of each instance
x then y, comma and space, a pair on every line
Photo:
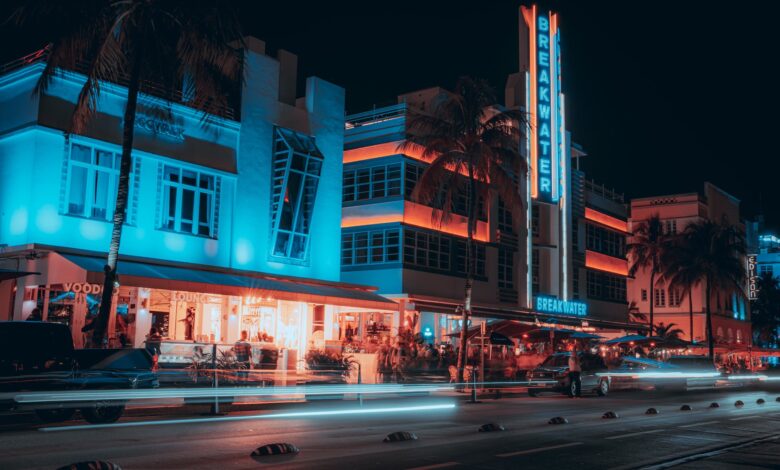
752, 277
562, 307
545, 105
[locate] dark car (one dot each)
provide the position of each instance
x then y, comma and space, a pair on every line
39, 356
552, 375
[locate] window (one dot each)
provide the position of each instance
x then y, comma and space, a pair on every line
535, 220
605, 241
670, 226
413, 173
374, 247
479, 258
297, 164
188, 199
659, 297
675, 297
93, 179
427, 250
605, 286
504, 218
506, 268
766, 268
535, 286
644, 295
575, 234
575, 281
372, 183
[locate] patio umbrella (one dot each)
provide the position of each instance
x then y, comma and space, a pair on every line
500, 340
544, 332
584, 335
630, 339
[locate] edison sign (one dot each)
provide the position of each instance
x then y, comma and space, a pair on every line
561, 307
752, 277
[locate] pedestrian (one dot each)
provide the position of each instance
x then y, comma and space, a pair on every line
243, 352
35, 315
383, 367
153, 342
398, 357
575, 370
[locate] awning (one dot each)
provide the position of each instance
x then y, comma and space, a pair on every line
157, 276
6, 274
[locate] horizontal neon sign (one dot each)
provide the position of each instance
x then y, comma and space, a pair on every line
562, 307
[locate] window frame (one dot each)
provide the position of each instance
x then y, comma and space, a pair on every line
180, 187
93, 168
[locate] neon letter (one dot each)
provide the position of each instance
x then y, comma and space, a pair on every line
544, 59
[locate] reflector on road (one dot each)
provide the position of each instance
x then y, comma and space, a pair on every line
400, 436
714, 405
490, 427
91, 465
558, 420
739, 403
610, 415
685, 408
651, 411
279, 448
760, 401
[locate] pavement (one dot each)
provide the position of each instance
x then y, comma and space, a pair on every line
341, 434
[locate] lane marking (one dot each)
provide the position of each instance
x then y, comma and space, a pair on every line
623, 436
743, 417
539, 449
699, 424
437, 465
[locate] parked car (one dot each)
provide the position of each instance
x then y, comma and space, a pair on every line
39, 356
552, 375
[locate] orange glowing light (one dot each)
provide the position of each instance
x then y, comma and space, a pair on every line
602, 262
387, 149
421, 216
532, 111
606, 220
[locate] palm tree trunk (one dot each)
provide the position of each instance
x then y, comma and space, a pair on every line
470, 254
690, 310
708, 318
652, 298
120, 209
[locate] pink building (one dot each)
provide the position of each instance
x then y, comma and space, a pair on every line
730, 309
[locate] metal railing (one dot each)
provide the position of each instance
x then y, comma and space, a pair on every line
376, 116
603, 191
147, 87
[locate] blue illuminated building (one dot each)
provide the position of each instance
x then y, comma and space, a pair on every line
234, 217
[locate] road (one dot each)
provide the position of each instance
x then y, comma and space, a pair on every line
446, 427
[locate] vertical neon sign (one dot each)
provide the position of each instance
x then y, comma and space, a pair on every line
545, 105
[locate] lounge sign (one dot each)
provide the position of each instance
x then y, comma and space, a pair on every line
561, 307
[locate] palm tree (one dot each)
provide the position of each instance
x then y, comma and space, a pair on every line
717, 249
667, 332
179, 44
646, 249
466, 135
679, 273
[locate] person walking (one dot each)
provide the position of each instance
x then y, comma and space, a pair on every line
575, 370
153, 346
243, 351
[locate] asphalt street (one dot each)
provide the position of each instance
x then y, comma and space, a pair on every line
340, 434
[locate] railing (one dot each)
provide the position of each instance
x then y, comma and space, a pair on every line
603, 191
376, 116
147, 87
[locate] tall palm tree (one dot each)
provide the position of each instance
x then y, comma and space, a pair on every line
678, 271
183, 45
645, 251
668, 332
465, 134
716, 260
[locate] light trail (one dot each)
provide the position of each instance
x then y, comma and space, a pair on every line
80, 396
298, 414
661, 375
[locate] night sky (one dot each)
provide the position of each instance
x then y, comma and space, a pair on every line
662, 95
